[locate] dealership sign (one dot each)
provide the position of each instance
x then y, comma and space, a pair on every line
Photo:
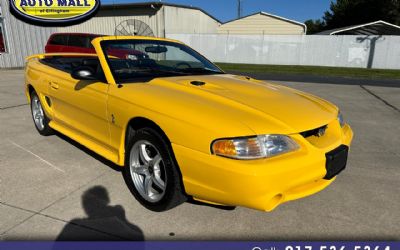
54, 12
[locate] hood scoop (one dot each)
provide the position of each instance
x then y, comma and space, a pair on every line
201, 84
197, 83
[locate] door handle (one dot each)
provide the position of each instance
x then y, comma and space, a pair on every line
54, 85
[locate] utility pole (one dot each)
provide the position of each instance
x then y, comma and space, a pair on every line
239, 8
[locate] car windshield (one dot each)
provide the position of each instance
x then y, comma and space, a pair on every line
141, 60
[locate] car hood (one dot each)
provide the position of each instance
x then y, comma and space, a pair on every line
262, 107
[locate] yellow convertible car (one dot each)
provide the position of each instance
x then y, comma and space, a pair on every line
181, 127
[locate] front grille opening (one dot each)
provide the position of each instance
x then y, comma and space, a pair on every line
315, 132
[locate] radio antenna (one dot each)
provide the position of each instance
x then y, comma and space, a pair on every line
115, 18
239, 9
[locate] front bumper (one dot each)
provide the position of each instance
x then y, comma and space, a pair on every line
260, 184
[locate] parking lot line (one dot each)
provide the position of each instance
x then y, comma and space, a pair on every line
379, 98
14, 106
35, 155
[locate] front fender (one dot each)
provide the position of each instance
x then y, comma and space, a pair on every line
181, 127
36, 78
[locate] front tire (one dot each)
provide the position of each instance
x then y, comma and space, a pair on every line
151, 173
39, 117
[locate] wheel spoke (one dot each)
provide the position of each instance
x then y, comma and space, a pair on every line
147, 184
142, 170
156, 160
156, 176
144, 156
157, 180
37, 105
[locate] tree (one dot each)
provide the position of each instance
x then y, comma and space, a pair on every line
351, 12
344, 13
314, 26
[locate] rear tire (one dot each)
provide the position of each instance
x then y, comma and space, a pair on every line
39, 117
151, 172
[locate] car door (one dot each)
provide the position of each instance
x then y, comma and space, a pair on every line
81, 105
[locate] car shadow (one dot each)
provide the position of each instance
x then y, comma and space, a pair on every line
102, 221
83, 84
199, 203
96, 156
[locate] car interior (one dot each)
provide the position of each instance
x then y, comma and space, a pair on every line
68, 64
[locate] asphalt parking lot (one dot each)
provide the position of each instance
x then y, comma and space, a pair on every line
51, 188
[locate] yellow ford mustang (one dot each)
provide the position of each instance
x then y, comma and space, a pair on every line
180, 127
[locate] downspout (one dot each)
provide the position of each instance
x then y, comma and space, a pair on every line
164, 21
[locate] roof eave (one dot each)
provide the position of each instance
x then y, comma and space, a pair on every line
286, 19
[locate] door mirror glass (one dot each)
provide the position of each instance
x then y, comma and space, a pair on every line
83, 73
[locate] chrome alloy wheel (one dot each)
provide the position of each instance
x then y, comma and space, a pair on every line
148, 171
37, 112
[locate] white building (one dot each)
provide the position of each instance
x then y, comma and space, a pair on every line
263, 23
150, 18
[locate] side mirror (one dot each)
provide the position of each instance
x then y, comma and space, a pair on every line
83, 73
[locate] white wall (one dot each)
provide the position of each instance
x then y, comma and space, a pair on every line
189, 21
336, 51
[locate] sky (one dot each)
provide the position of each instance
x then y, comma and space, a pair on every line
225, 10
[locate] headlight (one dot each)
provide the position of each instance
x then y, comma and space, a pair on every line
341, 120
131, 57
249, 148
